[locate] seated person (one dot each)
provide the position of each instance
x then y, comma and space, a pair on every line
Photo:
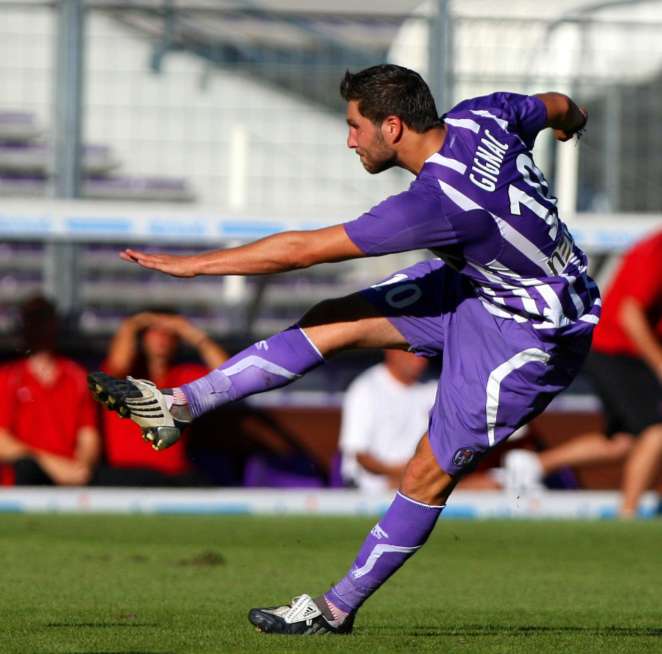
144, 346
48, 431
385, 411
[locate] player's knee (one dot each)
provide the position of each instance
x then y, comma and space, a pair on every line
653, 435
622, 444
334, 325
323, 313
424, 481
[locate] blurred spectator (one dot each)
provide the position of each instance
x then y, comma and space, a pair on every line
625, 366
47, 418
144, 346
385, 413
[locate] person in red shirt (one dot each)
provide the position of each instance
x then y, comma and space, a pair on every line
48, 432
144, 346
625, 366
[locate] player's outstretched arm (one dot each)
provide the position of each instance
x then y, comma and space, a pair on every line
563, 115
277, 253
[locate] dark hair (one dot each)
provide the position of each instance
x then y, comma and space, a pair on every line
139, 365
38, 323
390, 90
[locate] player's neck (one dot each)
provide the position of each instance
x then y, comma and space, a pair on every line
416, 148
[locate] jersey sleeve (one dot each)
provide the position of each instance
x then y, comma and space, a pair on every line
413, 220
526, 115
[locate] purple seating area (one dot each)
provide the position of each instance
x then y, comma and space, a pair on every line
149, 189
266, 470
26, 166
34, 158
21, 273
18, 127
109, 290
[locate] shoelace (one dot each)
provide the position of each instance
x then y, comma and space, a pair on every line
299, 607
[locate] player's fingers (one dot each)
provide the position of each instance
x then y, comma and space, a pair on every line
150, 262
139, 257
130, 255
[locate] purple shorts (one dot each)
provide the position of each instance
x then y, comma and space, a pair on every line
497, 374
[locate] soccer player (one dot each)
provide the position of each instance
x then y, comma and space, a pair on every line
508, 303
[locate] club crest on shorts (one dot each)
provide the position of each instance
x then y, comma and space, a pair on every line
464, 456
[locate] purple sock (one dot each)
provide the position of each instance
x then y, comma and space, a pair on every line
403, 529
264, 365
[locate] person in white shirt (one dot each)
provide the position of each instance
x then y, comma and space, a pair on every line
384, 412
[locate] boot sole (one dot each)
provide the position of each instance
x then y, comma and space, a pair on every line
108, 391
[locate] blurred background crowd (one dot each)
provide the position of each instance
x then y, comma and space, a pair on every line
193, 124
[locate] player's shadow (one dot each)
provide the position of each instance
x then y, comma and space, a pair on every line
528, 630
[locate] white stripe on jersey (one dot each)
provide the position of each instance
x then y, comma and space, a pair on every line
521, 243
574, 296
527, 301
517, 197
460, 199
494, 309
510, 234
467, 123
554, 313
580, 307
493, 387
499, 300
589, 317
503, 124
456, 165
546, 291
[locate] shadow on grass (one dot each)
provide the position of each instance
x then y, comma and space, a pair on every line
520, 630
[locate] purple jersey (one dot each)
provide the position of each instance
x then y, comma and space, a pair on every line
483, 206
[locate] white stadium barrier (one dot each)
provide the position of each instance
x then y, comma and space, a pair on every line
463, 504
90, 221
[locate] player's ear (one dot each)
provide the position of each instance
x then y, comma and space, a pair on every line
392, 129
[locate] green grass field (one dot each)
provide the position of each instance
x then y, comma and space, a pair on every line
143, 584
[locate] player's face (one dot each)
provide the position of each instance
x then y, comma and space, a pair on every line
367, 140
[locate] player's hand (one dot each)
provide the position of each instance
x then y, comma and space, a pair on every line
564, 135
63, 471
140, 321
171, 264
